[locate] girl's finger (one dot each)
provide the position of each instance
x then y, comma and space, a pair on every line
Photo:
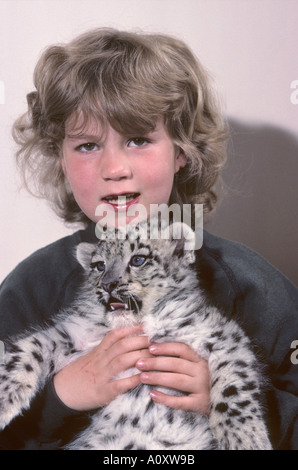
120, 386
197, 403
115, 335
169, 364
126, 361
180, 382
122, 343
175, 349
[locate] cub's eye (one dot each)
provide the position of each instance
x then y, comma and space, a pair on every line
99, 265
137, 260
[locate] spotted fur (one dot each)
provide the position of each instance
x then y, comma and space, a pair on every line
157, 282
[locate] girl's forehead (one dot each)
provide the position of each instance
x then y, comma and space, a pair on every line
82, 124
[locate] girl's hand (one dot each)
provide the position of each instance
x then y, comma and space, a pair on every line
88, 383
178, 367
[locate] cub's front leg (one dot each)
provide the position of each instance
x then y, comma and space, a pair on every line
29, 361
236, 416
26, 365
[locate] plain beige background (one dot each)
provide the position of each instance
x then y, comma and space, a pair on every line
250, 48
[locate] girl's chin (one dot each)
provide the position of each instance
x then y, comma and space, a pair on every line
106, 215
110, 216
119, 222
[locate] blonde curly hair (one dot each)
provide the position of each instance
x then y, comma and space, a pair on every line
127, 80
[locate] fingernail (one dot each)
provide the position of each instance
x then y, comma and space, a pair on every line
154, 395
153, 348
140, 364
144, 377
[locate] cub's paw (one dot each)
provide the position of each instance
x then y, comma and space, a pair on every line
17, 388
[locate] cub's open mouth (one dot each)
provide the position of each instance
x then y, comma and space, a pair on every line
115, 304
129, 304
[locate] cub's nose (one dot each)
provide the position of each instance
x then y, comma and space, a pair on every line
109, 286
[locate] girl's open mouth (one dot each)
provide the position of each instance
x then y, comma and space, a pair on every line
122, 201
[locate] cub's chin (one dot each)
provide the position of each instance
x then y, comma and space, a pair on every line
121, 318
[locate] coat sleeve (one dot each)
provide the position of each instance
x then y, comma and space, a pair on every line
48, 425
34, 291
269, 307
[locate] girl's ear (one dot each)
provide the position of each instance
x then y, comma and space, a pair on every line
62, 163
181, 160
62, 160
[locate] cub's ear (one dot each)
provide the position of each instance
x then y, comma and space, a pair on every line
185, 240
84, 253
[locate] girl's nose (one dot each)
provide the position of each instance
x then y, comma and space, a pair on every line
115, 165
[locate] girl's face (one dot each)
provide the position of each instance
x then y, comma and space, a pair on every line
114, 171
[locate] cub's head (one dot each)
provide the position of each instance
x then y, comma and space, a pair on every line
128, 271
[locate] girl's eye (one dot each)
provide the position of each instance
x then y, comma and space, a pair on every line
138, 142
137, 261
87, 147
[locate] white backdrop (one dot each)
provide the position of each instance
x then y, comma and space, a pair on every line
250, 47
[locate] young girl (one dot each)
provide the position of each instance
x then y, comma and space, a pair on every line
119, 114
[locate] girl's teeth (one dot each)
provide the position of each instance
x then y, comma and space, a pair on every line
121, 200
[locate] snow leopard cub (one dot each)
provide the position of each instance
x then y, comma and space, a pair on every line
154, 282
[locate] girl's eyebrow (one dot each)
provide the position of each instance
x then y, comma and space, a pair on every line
92, 137
82, 136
